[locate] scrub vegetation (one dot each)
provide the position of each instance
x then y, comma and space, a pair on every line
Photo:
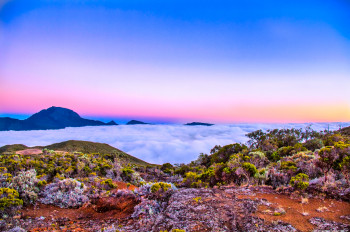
299, 162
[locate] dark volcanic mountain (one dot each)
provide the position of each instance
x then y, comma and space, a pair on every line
51, 118
135, 122
198, 124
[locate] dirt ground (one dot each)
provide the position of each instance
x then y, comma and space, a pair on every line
294, 209
84, 218
34, 151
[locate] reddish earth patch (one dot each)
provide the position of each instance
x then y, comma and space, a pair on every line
34, 151
294, 210
123, 185
29, 152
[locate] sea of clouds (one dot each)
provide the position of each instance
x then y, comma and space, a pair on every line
153, 143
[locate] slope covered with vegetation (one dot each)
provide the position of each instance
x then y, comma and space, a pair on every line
97, 179
72, 146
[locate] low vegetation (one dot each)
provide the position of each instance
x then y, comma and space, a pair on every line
67, 175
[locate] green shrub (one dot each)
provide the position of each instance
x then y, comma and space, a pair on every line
109, 183
9, 202
42, 183
160, 186
300, 181
250, 168
288, 166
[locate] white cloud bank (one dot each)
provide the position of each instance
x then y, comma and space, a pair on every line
152, 143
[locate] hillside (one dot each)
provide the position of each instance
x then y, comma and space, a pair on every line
79, 146
93, 147
345, 130
12, 148
51, 118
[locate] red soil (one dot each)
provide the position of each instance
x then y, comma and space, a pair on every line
294, 210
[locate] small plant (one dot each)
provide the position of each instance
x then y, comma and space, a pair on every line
279, 211
109, 183
160, 186
42, 183
9, 202
197, 199
300, 181
26, 185
67, 193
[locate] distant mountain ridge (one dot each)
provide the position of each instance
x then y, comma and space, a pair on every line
51, 118
135, 122
198, 124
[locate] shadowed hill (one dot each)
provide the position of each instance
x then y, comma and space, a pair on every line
345, 131
12, 148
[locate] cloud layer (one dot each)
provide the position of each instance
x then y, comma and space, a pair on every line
152, 143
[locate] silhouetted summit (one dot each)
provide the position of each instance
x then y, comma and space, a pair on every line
51, 118
198, 124
135, 122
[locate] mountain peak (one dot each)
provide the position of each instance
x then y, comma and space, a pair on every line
198, 124
135, 122
50, 118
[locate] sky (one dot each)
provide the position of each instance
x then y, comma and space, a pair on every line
177, 61
156, 144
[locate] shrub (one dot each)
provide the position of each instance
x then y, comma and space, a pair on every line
190, 177
345, 168
300, 181
313, 144
160, 186
167, 167
67, 193
5, 180
327, 158
109, 183
288, 166
9, 202
250, 168
26, 185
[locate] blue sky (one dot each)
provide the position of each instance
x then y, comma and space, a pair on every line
246, 61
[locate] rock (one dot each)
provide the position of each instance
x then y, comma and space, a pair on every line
217, 211
17, 229
123, 201
345, 217
322, 224
322, 209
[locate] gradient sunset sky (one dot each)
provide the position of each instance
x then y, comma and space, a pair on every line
177, 61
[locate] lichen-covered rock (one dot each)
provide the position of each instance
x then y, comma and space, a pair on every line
201, 210
325, 225
67, 193
17, 229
